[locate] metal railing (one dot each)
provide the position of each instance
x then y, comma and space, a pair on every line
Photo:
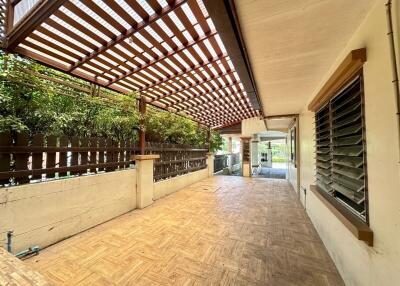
220, 162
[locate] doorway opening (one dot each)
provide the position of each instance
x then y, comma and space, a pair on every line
269, 158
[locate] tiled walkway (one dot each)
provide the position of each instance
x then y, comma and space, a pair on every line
221, 231
14, 272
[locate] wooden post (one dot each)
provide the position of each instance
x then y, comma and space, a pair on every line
208, 138
142, 133
9, 17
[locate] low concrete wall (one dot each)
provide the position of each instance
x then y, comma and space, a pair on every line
164, 188
44, 213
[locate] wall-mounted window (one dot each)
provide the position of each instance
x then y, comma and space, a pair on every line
340, 148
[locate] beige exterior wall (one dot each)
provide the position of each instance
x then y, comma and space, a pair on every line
252, 126
292, 175
359, 264
164, 188
51, 211
293, 170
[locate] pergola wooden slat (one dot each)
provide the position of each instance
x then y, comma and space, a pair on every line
168, 51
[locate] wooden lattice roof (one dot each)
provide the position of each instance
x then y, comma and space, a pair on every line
169, 51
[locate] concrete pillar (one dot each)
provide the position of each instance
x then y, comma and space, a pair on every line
255, 160
269, 154
230, 145
246, 164
230, 148
144, 180
210, 164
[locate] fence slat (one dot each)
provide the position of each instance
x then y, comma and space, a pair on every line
93, 154
84, 142
109, 154
63, 161
51, 156
37, 158
5, 158
102, 143
176, 159
21, 159
75, 155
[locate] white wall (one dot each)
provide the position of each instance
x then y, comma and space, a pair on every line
44, 213
358, 263
166, 187
293, 170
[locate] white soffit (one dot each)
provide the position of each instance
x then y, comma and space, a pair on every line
293, 43
279, 123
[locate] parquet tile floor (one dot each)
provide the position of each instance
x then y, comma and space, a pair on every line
221, 231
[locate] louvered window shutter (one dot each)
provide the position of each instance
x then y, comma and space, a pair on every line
340, 148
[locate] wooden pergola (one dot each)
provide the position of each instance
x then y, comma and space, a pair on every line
171, 52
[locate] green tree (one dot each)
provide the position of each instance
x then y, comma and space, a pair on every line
37, 99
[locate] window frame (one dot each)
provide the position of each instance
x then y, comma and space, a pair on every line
329, 103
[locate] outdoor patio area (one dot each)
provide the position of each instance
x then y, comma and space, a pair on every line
222, 230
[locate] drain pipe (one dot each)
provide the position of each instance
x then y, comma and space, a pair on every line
394, 64
9, 240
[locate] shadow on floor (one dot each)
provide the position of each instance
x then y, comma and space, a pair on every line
272, 173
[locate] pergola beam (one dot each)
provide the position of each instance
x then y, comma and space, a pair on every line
226, 102
224, 121
193, 76
226, 124
212, 116
215, 110
225, 94
213, 121
166, 55
192, 68
195, 84
201, 95
41, 11
226, 22
134, 29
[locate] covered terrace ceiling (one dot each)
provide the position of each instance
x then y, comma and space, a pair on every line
168, 51
292, 45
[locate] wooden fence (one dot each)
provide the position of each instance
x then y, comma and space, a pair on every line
176, 160
25, 159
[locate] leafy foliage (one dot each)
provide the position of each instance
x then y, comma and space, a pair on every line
37, 99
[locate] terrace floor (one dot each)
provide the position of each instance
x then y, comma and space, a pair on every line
223, 230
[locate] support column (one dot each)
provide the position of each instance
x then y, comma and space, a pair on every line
230, 145
144, 179
246, 156
210, 164
269, 154
255, 160
230, 166
9, 17
209, 139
